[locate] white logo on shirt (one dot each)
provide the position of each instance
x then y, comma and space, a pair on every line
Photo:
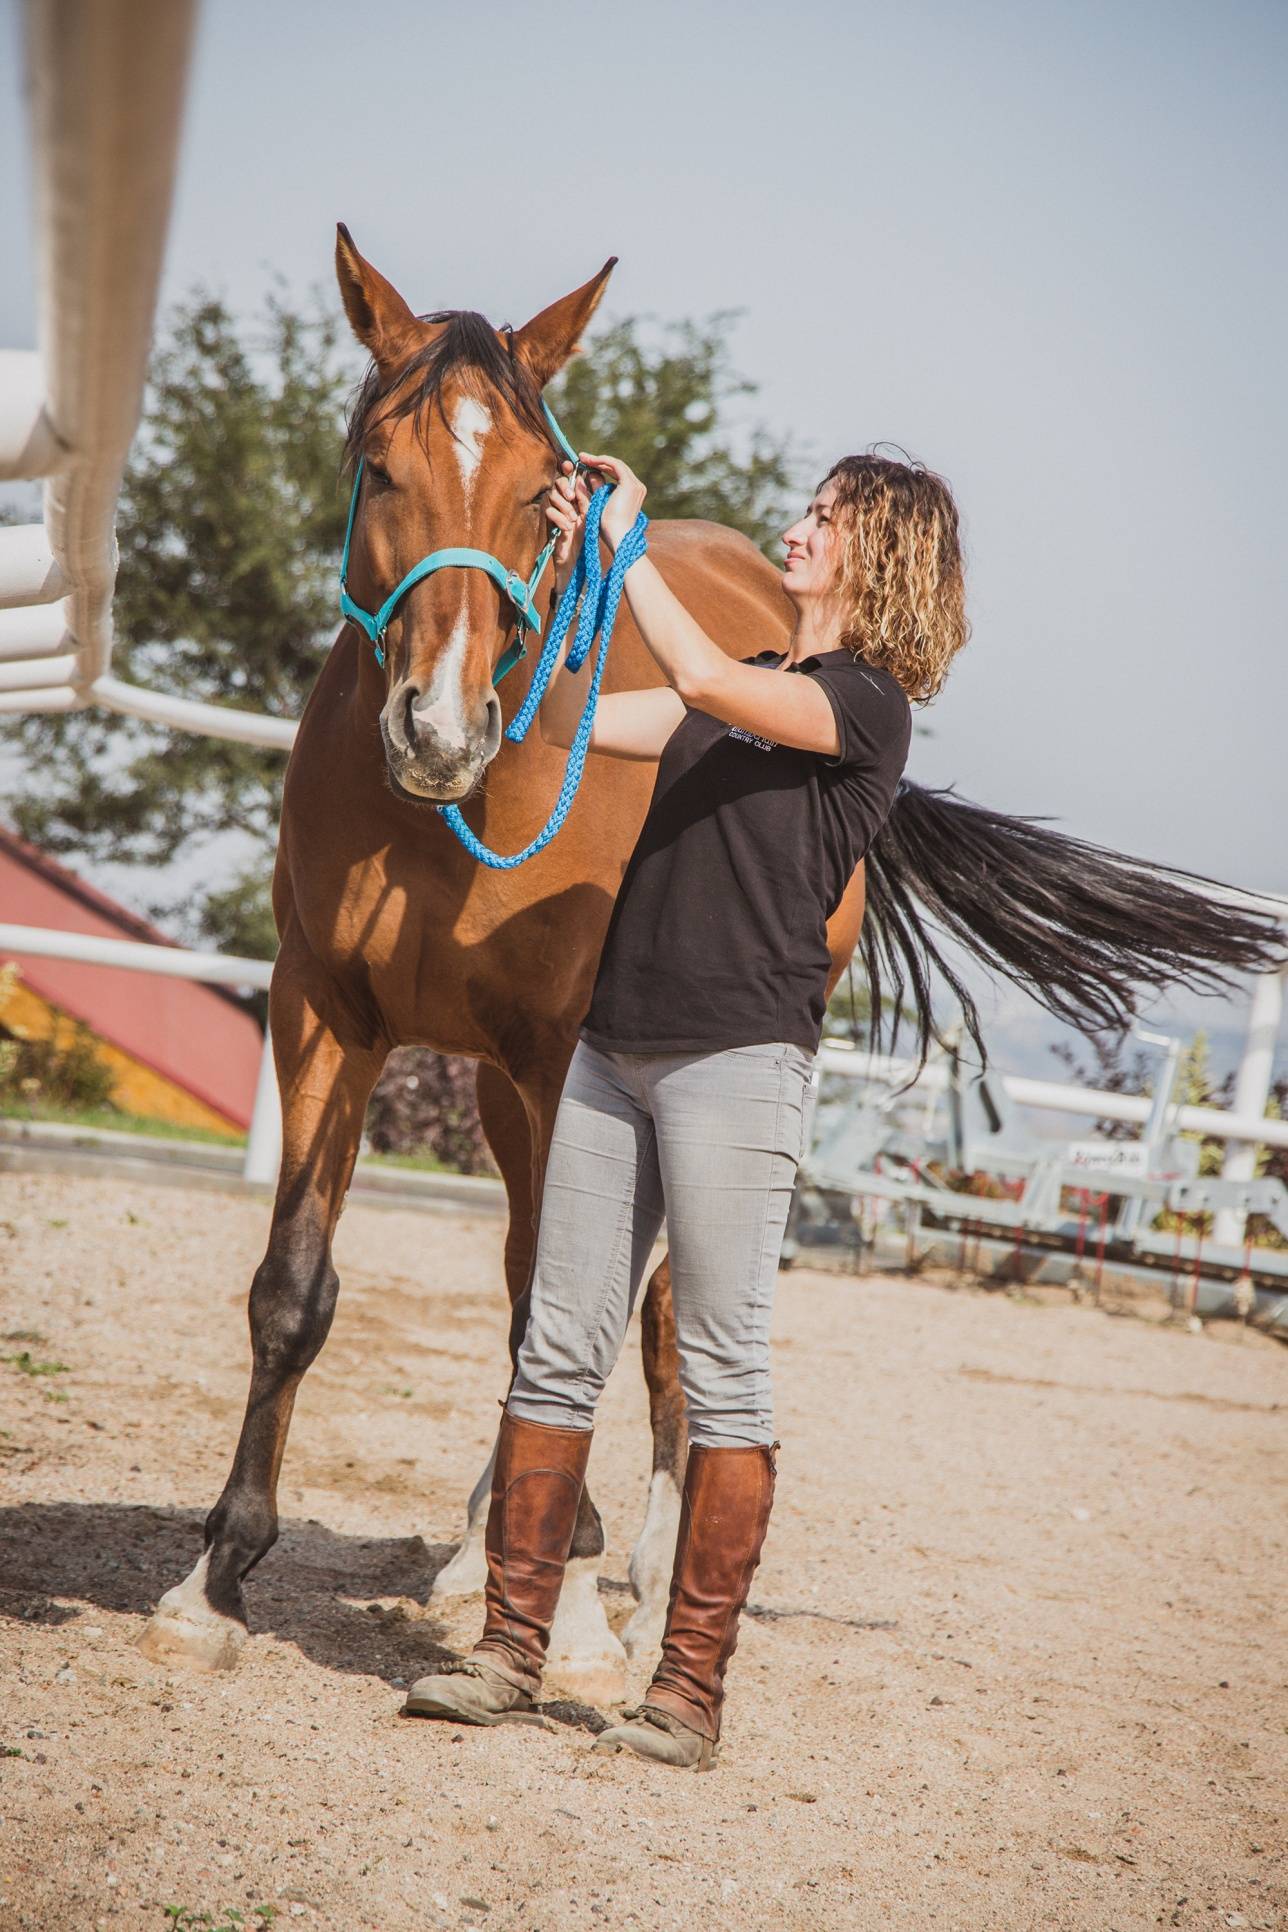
751, 738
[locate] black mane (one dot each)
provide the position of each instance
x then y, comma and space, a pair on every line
465, 345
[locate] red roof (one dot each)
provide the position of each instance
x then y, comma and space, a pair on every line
200, 1037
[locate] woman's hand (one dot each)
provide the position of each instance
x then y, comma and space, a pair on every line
566, 510
624, 504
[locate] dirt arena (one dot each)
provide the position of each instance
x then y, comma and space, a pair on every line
1013, 1661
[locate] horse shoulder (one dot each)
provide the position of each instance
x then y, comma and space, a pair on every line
724, 581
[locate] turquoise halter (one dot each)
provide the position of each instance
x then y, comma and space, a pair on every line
590, 599
520, 594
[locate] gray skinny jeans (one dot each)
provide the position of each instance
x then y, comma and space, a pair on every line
710, 1142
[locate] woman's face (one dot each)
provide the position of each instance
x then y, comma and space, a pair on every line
810, 567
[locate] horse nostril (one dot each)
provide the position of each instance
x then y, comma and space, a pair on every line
492, 727
409, 717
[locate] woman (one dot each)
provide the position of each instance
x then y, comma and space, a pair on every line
684, 1099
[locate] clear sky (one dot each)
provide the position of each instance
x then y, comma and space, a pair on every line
1043, 247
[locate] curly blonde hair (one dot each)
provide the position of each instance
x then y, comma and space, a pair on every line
900, 569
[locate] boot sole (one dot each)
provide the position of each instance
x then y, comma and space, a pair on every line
603, 1748
429, 1707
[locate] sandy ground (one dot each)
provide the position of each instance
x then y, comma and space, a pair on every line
1013, 1662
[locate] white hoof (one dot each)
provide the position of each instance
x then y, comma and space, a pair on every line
652, 1561
585, 1661
184, 1629
642, 1634
465, 1574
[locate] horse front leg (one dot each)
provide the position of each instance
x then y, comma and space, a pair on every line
325, 1074
654, 1553
586, 1661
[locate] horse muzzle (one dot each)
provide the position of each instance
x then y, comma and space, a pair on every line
437, 749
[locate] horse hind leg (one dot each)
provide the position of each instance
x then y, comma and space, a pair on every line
587, 1660
654, 1553
505, 1128
464, 1574
325, 1080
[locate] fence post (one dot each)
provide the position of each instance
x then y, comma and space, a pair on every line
1251, 1091
264, 1142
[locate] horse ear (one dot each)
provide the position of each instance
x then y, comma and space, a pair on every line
546, 342
379, 317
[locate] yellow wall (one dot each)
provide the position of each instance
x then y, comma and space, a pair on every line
136, 1088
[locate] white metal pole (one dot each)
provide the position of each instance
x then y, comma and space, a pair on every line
1251, 1092
29, 572
28, 445
1161, 1121
138, 956
105, 90
264, 1142
37, 630
35, 674
46, 697
189, 714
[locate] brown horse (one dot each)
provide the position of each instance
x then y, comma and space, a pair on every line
391, 934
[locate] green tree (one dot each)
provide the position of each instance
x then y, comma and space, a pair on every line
1194, 1089
230, 519
658, 396
230, 525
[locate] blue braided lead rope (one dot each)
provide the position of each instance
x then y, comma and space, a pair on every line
598, 597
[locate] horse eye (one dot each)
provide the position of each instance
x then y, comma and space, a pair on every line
381, 476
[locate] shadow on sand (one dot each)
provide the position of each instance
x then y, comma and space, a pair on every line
122, 1557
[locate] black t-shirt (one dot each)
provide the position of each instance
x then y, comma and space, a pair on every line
718, 935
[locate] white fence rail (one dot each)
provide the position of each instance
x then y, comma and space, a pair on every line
264, 1141
1055, 1096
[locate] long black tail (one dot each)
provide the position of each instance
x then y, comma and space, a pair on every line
1085, 931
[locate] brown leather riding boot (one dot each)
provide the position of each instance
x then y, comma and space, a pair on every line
724, 1512
536, 1488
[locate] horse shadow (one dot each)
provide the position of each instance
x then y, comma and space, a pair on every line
122, 1557
321, 1596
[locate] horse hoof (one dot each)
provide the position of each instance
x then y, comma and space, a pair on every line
464, 1575
642, 1636
586, 1661
184, 1629
211, 1644
587, 1680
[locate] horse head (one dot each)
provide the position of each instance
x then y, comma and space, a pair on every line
456, 453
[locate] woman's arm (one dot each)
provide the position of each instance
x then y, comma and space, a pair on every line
628, 724
789, 711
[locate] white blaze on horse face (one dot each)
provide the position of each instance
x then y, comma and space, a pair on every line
442, 708
470, 426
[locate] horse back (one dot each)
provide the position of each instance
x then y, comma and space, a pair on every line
726, 585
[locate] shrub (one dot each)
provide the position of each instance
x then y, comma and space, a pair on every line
424, 1104
65, 1071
